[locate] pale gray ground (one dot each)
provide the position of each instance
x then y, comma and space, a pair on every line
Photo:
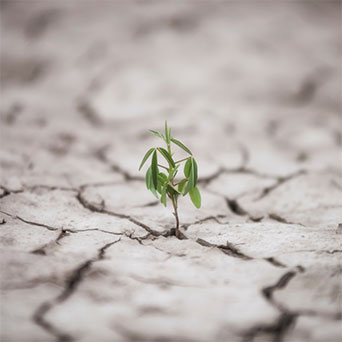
253, 88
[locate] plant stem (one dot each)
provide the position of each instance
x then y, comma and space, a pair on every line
179, 161
164, 167
174, 199
168, 148
174, 203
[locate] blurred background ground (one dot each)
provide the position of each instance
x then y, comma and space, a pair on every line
253, 88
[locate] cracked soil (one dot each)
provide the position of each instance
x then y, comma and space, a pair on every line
253, 88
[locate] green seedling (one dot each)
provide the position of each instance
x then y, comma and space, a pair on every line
164, 184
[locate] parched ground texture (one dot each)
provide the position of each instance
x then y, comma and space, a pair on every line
253, 88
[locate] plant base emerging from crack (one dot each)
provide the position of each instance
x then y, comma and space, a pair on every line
165, 184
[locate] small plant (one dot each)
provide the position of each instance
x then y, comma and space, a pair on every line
165, 184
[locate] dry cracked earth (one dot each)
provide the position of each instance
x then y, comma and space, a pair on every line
253, 88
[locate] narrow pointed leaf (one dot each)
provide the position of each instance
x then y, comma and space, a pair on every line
152, 187
154, 192
155, 170
195, 197
158, 134
148, 153
181, 145
167, 156
148, 178
167, 136
187, 168
190, 183
194, 167
162, 177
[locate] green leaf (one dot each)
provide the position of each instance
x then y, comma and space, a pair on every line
181, 185
192, 175
155, 170
190, 183
195, 197
162, 177
148, 178
148, 153
167, 156
187, 168
149, 182
194, 167
154, 191
158, 134
181, 145
167, 133
163, 195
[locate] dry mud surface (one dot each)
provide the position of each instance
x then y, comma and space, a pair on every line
253, 88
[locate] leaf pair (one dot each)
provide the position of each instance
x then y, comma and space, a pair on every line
190, 172
151, 177
168, 138
164, 153
149, 182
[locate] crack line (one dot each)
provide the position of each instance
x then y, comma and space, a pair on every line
216, 218
237, 209
281, 180
280, 219
286, 319
101, 210
30, 222
228, 249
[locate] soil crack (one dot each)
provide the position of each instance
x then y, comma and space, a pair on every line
281, 180
286, 319
102, 210
228, 249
